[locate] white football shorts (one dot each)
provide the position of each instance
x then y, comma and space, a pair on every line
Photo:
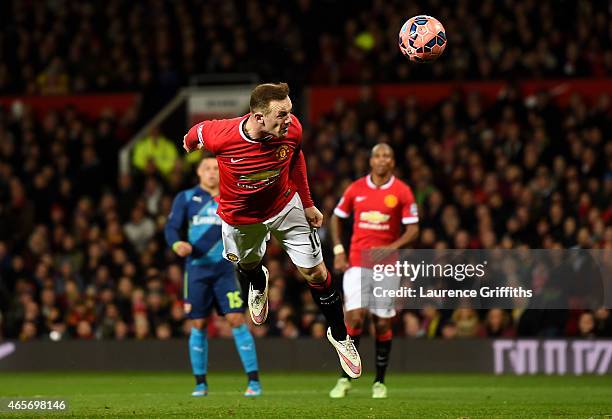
247, 243
358, 286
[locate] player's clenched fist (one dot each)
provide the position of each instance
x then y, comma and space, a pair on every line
182, 248
314, 217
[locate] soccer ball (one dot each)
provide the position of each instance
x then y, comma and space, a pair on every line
422, 39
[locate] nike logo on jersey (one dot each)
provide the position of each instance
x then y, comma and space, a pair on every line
360, 198
233, 160
197, 198
246, 347
198, 348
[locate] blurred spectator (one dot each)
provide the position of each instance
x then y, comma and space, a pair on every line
29, 331
603, 322
121, 331
141, 326
586, 325
140, 229
412, 325
466, 322
155, 153
163, 331
497, 324
431, 321
449, 331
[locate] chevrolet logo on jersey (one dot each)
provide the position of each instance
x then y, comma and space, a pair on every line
258, 179
374, 217
258, 176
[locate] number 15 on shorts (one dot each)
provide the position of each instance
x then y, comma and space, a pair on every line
234, 300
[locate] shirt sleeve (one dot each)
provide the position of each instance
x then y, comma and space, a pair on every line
172, 230
299, 177
345, 205
200, 134
410, 211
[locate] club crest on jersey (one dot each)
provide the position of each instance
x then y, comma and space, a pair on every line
232, 257
391, 201
282, 153
187, 308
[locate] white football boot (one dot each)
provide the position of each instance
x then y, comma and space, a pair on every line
258, 301
347, 352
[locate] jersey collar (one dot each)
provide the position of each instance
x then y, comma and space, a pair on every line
244, 135
372, 185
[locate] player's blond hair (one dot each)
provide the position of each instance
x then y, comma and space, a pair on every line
263, 94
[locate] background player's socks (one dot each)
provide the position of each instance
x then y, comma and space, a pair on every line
246, 349
253, 376
256, 276
383, 351
355, 334
198, 353
329, 301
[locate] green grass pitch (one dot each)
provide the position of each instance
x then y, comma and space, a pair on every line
296, 394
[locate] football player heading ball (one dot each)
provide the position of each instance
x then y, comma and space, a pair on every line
264, 191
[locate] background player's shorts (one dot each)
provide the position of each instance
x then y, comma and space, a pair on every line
358, 285
205, 290
247, 243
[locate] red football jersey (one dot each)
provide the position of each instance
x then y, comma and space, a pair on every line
255, 182
379, 212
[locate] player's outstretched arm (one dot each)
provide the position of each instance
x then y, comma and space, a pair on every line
194, 139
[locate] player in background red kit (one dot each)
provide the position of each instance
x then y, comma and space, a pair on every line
264, 191
381, 204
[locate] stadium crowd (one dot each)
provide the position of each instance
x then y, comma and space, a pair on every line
82, 253
62, 46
